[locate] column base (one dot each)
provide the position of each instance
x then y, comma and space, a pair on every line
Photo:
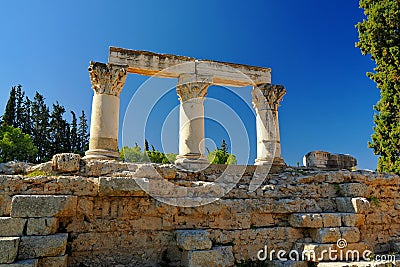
192, 163
277, 164
101, 154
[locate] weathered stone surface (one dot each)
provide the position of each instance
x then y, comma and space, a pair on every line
331, 219
43, 206
60, 261
13, 167
46, 167
307, 220
325, 235
66, 162
350, 234
23, 263
193, 239
119, 186
218, 256
11, 226
352, 205
42, 246
8, 249
354, 190
42, 226
326, 160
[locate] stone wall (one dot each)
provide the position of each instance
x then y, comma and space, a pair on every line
97, 215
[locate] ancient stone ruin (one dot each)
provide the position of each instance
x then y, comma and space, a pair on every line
328, 161
98, 211
194, 78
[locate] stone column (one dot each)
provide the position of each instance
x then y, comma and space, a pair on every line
107, 82
192, 89
266, 99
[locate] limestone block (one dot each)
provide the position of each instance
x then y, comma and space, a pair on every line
43, 206
11, 226
352, 205
8, 249
23, 263
46, 167
42, 226
193, 239
66, 162
13, 167
218, 256
60, 261
351, 234
360, 204
332, 219
354, 190
307, 220
325, 235
118, 186
42, 246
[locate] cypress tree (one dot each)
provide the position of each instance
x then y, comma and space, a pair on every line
19, 106
83, 134
74, 134
59, 131
9, 114
379, 37
40, 127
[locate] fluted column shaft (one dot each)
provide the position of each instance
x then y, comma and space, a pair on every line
266, 99
107, 82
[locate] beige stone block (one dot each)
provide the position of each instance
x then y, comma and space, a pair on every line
306, 220
331, 219
66, 162
193, 239
11, 226
43, 206
352, 205
42, 226
354, 190
60, 261
350, 234
325, 235
23, 263
42, 246
219, 256
118, 186
8, 249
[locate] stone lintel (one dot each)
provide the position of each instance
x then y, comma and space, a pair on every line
171, 66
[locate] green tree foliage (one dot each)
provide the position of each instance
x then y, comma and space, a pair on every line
83, 134
15, 145
379, 36
73, 136
41, 127
59, 131
9, 114
221, 155
135, 154
50, 132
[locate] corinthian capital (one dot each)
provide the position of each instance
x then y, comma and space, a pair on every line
268, 96
192, 86
107, 78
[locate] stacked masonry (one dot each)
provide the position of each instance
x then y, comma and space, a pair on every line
111, 221
29, 237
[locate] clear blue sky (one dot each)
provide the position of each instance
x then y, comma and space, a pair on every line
309, 44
